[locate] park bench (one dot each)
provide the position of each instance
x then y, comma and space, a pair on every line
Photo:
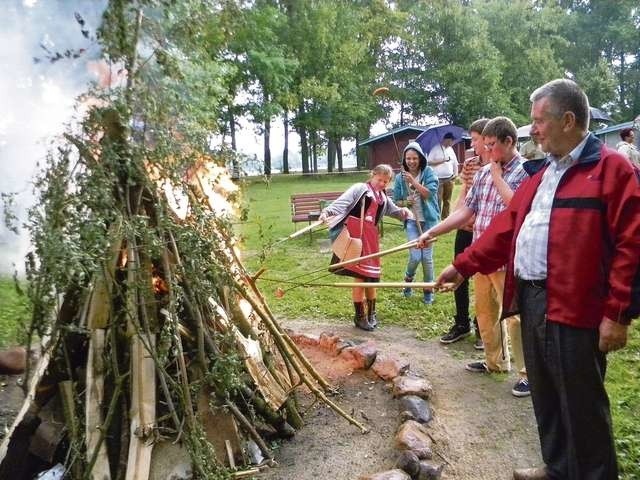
306, 207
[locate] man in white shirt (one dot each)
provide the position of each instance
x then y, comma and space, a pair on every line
444, 162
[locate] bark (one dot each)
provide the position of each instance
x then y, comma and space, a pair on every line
331, 154
285, 151
267, 148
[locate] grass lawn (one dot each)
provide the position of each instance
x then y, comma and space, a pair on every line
269, 219
14, 312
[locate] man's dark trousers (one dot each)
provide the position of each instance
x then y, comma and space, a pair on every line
566, 373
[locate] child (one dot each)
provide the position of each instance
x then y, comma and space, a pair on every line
417, 188
359, 210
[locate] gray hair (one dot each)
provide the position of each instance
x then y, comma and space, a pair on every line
565, 96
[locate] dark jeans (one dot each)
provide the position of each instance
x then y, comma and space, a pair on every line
566, 374
461, 294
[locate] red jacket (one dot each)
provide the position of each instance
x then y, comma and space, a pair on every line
593, 256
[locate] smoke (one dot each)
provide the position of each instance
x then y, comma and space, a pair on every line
37, 93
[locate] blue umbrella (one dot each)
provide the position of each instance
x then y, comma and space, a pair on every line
432, 136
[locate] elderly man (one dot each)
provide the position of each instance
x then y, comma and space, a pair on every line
571, 237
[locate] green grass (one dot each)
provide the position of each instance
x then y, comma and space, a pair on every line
14, 313
269, 219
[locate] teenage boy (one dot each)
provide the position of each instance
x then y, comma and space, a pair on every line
490, 193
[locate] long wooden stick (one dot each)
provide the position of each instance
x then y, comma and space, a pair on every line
423, 285
381, 253
302, 231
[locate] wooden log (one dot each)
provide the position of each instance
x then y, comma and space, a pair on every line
94, 398
67, 396
143, 409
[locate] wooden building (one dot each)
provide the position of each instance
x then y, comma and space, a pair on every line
388, 147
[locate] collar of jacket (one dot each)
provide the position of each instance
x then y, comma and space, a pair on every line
590, 153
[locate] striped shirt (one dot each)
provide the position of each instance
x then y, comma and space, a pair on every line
484, 198
531, 244
469, 169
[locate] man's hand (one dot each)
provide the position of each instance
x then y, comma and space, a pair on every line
425, 239
613, 335
449, 279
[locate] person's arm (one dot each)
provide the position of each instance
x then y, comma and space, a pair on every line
436, 156
492, 249
344, 203
455, 164
501, 185
453, 221
623, 221
393, 210
417, 186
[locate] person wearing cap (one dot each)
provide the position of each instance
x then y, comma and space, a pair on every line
444, 162
627, 146
416, 187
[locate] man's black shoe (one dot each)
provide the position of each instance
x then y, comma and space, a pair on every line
454, 334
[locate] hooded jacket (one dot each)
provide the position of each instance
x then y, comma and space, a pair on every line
593, 256
429, 180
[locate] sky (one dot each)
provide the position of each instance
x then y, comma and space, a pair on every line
37, 97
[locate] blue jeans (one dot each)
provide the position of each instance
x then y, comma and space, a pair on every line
419, 256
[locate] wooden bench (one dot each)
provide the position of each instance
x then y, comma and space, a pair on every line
306, 207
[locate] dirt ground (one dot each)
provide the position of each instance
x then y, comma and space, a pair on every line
481, 431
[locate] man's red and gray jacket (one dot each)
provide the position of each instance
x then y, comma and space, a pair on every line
593, 254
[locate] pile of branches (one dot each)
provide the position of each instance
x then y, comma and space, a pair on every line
147, 320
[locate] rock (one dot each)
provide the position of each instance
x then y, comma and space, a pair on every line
409, 462
388, 367
360, 356
328, 342
170, 461
305, 339
13, 361
411, 385
413, 436
388, 475
429, 471
342, 344
415, 408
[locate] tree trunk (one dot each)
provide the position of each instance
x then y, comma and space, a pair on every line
331, 154
314, 151
339, 154
304, 145
621, 84
285, 151
235, 166
267, 149
362, 153
232, 129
